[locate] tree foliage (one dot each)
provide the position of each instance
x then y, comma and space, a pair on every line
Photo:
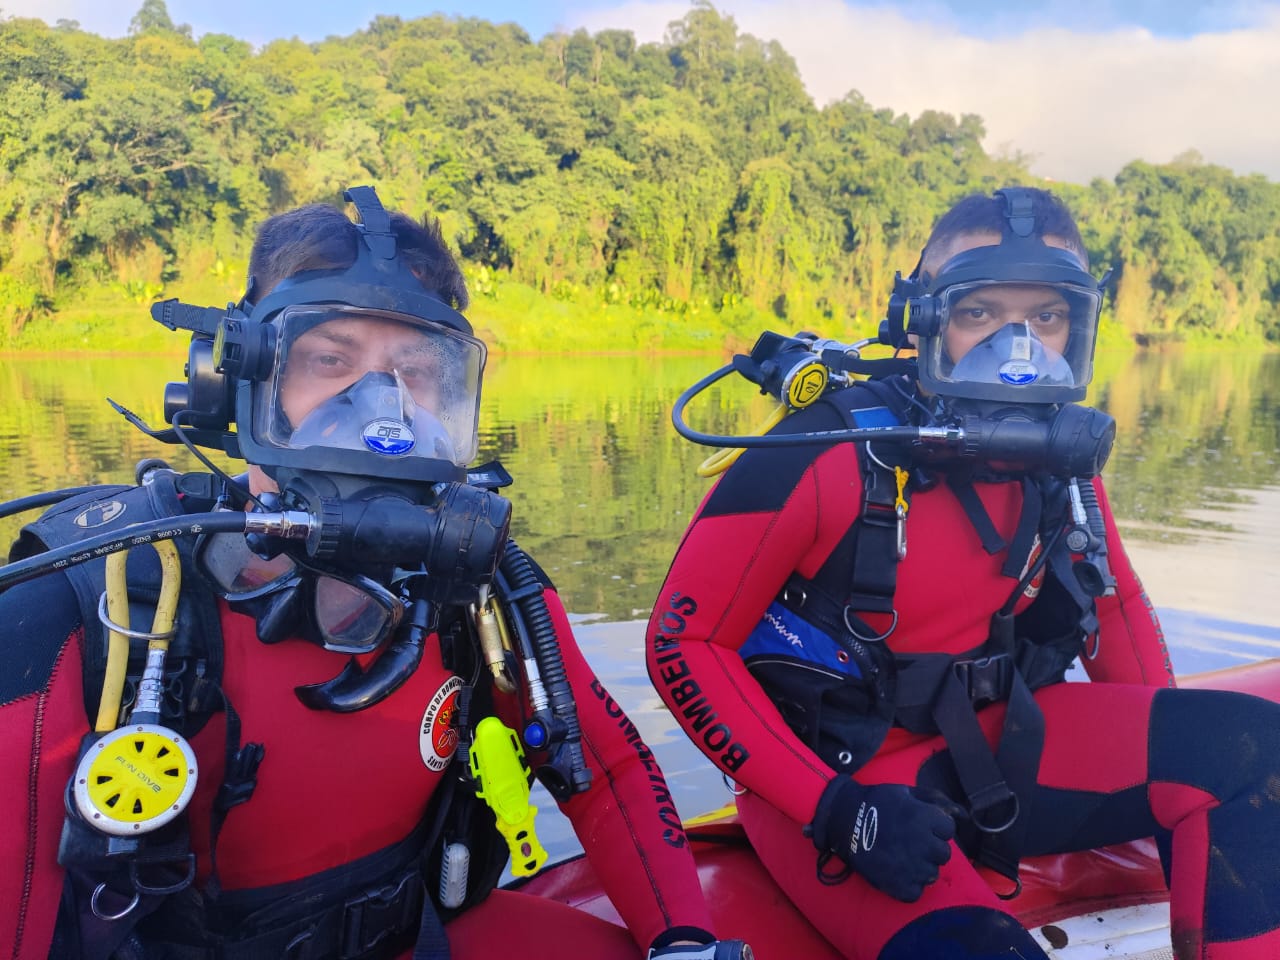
692, 176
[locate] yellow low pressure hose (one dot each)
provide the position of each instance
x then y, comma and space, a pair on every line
118, 613
117, 645
722, 459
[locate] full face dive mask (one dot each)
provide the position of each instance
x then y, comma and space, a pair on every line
357, 391
267, 366
1013, 322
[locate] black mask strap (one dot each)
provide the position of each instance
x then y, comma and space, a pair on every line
1019, 212
375, 223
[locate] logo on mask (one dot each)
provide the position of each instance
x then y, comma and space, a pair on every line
437, 739
1019, 372
388, 436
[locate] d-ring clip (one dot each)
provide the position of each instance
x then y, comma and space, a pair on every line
97, 911
105, 619
882, 637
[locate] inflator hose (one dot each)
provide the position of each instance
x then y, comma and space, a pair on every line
526, 596
165, 528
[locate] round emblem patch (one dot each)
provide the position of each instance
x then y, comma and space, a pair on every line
1019, 372
98, 514
390, 436
437, 739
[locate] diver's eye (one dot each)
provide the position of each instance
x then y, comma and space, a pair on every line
327, 365
971, 316
418, 376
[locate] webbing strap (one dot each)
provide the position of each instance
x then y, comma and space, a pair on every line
875, 549
433, 942
1018, 756
989, 798
974, 509
938, 692
1024, 537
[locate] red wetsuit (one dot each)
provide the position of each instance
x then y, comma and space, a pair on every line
331, 788
1116, 761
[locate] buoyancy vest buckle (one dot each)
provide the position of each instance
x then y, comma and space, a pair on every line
986, 680
377, 914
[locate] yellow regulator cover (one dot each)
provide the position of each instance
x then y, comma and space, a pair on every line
805, 384
135, 779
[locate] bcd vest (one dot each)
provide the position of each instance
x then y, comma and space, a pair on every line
374, 907
849, 688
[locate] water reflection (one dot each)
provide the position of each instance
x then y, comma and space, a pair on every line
604, 487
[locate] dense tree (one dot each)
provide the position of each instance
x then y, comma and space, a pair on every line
693, 177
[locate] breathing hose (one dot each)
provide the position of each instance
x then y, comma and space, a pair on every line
289, 525
563, 734
724, 458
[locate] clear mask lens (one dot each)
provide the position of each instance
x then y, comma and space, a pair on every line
371, 381
353, 618
1011, 335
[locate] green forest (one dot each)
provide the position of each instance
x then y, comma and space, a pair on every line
604, 194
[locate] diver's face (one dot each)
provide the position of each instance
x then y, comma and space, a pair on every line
986, 310
332, 356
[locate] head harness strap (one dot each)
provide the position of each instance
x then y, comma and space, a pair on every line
375, 224
1019, 212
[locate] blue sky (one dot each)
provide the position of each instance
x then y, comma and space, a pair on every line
313, 21
1079, 86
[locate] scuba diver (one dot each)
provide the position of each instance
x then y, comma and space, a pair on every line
868, 624
296, 714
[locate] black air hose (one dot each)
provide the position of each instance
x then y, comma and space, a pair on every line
566, 771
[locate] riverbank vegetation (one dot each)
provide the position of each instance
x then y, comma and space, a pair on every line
605, 194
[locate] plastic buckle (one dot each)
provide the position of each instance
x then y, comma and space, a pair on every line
379, 914
986, 680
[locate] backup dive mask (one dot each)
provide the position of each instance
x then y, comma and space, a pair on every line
340, 611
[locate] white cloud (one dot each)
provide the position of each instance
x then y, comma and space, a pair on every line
1081, 104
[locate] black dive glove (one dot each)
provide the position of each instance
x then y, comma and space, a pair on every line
889, 833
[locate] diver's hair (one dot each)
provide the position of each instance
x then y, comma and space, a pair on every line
320, 237
979, 213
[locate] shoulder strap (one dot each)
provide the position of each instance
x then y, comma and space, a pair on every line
879, 537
